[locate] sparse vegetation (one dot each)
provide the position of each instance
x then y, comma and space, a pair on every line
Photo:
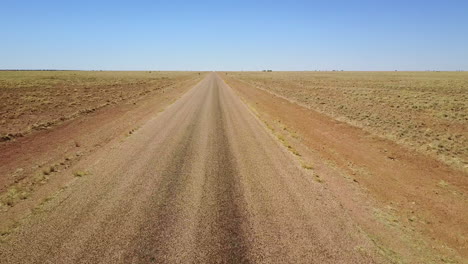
293, 150
278, 135
443, 184
307, 166
14, 194
318, 179
36, 100
80, 173
426, 111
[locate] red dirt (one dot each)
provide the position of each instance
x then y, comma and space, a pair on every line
26, 160
158, 194
426, 195
201, 182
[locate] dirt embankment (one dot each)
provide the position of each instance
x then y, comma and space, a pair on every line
420, 196
424, 111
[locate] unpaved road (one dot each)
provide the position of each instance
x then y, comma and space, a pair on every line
202, 182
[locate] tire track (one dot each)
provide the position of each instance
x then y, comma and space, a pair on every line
222, 238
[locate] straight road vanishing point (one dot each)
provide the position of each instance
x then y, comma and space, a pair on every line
314, 132
204, 181
201, 182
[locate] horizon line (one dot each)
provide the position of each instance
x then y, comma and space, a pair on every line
168, 70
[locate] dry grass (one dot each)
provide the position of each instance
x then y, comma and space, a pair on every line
307, 166
80, 173
427, 111
34, 100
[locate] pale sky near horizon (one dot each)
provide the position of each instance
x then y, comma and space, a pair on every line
234, 35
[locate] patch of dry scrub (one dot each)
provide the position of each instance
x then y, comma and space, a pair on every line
35, 100
427, 111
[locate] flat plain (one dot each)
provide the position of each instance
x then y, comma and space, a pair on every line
233, 167
427, 111
35, 100
378, 139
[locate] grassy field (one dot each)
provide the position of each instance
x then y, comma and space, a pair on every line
33, 100
427, 111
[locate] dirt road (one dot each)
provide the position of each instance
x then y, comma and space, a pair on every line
202, 182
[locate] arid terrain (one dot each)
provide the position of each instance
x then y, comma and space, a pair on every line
233, 167
426, 111
51, 118
324, 118
36, 100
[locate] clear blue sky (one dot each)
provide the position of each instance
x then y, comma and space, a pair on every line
234, 35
